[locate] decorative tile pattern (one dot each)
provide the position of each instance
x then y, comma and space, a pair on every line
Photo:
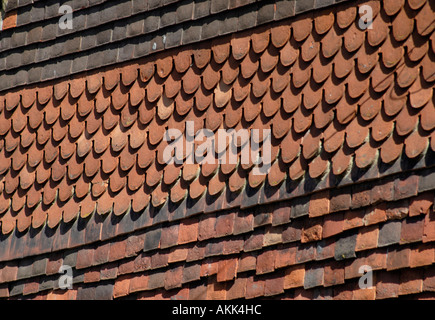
83, 181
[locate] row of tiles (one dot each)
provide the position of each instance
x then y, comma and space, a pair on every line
382, 224
292, 263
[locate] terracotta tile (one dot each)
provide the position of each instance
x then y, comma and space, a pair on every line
376, 215
332, 225
391, 149
398, 258
423, 20
387, 285
10, 20
367, 238
412, 230
227, 269
302, 27
122, 286
410, 282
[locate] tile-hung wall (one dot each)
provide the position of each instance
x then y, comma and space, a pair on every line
109, 32
352, 118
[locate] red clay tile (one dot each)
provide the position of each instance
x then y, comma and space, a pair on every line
392, 52
398, 258
333, 274
387, 286
424, 18
410, 282
367, 238
227, 269
10, 20
402, 25
415, 145
280, 35
288, 54
422, 256
202, 56
240, 45
294, 277
260, 40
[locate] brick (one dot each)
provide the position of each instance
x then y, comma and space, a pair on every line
254, 242
375, 215
173, 278
333, 274
406, 187
313, 233
285, 257
207, 227
345, 247
227, 269
188, 231
216, 290
294, 277
398, 258
421, 204
169, 237
243, 222
340, 200
423, 255
191, 273
412, 230
265, 262
387, 285
85, 258
332, 225
247, 262
411, 282
122, 287
383, 192
281, 215
389, 233
225, 224
292, 232
367, 238
319, 204
254, 288
313, 277
353, 219
429, 228
237, 290
117, 250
